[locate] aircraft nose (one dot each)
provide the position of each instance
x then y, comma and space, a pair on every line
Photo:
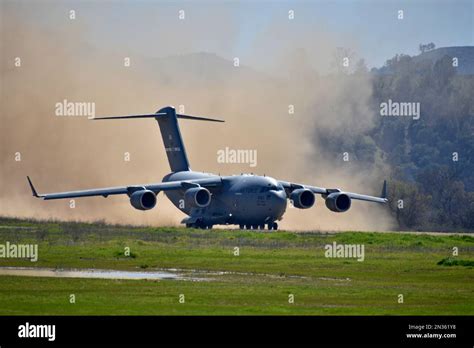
278, 202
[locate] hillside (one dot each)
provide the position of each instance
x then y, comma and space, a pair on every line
465, 55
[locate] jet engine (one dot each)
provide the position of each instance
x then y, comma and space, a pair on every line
302, 198
197, 197
338, 202
143, 199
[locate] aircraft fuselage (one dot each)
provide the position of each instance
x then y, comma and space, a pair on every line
245, 200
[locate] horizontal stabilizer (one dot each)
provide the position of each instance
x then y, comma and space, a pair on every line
167, 119
160, 114
198, 118
130, 116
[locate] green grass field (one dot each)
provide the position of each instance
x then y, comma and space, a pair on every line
270, 267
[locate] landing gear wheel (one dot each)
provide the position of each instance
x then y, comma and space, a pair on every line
272, 226
241, 227
261, 227
247, 227
199, 225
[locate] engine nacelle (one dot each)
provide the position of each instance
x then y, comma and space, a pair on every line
143, 199
197, 197
338, 202
302, 198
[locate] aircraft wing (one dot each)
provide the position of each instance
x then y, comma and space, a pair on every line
105, 192
289, 187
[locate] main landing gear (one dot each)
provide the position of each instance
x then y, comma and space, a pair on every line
273, 226
270, 226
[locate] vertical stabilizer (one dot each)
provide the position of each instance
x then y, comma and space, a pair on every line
172, 139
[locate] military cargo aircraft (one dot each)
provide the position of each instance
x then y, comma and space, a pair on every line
249, 201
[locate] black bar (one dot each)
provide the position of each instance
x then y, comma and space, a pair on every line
249, 329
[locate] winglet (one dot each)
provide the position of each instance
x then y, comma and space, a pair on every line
33, 191
384, 190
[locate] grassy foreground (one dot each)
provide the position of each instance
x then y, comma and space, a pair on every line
270, 267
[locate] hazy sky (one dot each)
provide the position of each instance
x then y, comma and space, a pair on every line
233, 28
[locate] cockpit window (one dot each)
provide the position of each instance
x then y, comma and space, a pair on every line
271, 187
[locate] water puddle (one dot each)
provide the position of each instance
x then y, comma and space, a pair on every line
335, 279
94, 274
222, 273
157, 274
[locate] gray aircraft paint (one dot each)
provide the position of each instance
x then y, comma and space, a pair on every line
242, 200
245, 200
172, 140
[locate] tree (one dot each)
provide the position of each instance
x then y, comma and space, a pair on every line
409, 206
428, 47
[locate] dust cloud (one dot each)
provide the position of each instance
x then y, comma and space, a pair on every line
72, 152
